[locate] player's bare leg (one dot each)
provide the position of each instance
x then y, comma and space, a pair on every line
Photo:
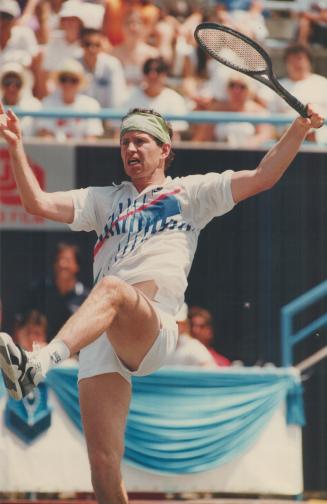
113, 306
104, 402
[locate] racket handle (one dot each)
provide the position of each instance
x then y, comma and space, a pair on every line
291, 100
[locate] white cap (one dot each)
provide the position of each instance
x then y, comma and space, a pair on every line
15, 69
72, 8
182, 314
10, 7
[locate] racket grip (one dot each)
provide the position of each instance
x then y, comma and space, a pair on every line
295, 103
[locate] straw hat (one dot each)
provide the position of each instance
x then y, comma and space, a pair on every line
74, 68
16, 69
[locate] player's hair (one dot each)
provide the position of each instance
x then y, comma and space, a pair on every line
297, 49
139, 110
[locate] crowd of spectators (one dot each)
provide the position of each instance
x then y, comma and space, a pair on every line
87, 55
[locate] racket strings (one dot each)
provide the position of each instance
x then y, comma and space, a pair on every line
232, 50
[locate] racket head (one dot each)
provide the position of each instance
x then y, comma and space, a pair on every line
233, 49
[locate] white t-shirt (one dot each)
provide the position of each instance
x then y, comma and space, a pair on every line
151, 235
167, 102
58, 50
21, 47
190, 352
107, 83
71, 128
312, 90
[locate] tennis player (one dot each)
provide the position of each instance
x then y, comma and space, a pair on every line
147, 231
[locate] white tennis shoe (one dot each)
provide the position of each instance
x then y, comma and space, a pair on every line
21, 370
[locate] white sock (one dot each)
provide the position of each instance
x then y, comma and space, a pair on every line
52, 354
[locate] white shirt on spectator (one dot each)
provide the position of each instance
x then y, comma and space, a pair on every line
28, 124
107, 82
190, 352
167, 102
58, 50
71, 128
21, 47
313, 90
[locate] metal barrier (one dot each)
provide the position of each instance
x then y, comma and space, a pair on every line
289, 338
192, 117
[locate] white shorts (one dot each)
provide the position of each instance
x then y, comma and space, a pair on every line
99, 357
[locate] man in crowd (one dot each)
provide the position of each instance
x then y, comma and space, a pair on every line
58, 296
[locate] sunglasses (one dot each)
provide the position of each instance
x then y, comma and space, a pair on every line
153, 69
5, 16
68, 79
239, 85
11, 81
88, 43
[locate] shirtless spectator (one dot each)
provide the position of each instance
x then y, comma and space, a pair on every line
70, 80
239, 99
134, 51
313, 25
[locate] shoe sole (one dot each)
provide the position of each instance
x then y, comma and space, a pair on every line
7, 368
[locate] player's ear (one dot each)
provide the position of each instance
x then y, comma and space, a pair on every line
165, 150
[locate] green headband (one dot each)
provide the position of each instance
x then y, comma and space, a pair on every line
148, 123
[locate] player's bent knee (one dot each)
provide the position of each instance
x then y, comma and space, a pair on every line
113, 288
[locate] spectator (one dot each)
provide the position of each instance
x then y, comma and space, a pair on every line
239, 99
116, 12
134, 51
313, 25
15, 91
70, 80
31, 330
18, 43
154, 93
59, 295
201, 325
251, 22
164, 34
105, 77
65, 43
305, 85
189, 351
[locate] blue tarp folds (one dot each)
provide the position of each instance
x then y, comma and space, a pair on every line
184, 420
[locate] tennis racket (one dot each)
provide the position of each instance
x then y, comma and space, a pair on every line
241, 53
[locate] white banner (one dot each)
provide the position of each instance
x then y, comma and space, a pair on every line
57, 462
54, 168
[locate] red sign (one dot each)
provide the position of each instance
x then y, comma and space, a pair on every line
9, 194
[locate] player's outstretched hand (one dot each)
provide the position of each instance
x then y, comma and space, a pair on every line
314, 119
9, 127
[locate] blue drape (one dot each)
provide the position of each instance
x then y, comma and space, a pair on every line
187, 421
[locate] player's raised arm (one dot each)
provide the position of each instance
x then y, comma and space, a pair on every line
57, 206
247, 183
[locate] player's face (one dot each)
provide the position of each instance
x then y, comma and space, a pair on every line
141, 155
